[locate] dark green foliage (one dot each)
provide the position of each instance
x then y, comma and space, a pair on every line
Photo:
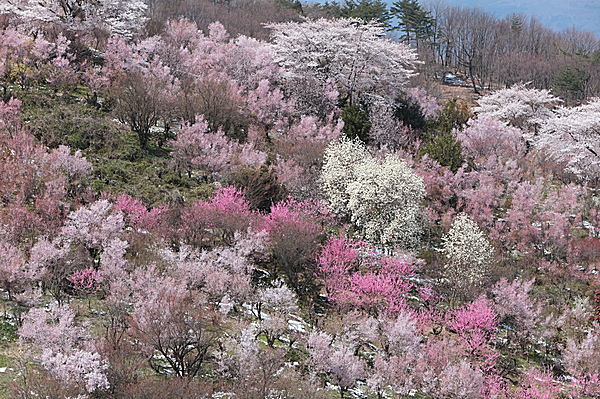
8, 331
571, 83
151, 180
440, 143
415, 23
454, 115
444, 149
367, 10
356, 122
409, 113
260, 186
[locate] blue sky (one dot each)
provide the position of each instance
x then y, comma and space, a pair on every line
556, 14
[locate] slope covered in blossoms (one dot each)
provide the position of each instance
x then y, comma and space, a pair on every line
195, 214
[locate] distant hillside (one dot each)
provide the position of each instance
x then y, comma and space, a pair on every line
556, 14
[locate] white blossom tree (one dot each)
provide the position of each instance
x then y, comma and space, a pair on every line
572, 137
519, 106
381, 197
468, 253
338, 170
120, 17
355, 56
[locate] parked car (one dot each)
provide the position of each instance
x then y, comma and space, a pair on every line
452, 80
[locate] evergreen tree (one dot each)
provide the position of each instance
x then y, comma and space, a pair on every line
414, 22
367, 10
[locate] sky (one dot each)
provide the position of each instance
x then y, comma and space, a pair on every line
555, 14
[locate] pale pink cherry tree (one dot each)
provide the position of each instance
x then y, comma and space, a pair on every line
520, 106
10, 115
198, 148
118, 18
581, 359
515, 307
354, 55
570, 137
93, 226
492, 145
429, 105
300, 149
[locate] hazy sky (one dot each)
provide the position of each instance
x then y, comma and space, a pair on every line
556, 14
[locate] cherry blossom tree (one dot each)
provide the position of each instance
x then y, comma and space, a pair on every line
520, 106
121, 18
196, 147
354, 55
571, 137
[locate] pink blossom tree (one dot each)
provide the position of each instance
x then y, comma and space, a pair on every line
357, 275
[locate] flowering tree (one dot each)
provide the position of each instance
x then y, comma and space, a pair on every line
520, 106
476, 324
385, 200
340, 364
492, 145
381, 197
571, 137
121, 18
196, 147
514, 306
354, 55
357, 275
468, 253
55, 333
221, 216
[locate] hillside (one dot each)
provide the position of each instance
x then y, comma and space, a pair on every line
189, 212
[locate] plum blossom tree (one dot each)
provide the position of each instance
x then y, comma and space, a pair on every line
476, 324
354, 55
338, 171
294, 233
468, 253
385, 200
221, 216
169, 326
339, 363
357, 275
61, 341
